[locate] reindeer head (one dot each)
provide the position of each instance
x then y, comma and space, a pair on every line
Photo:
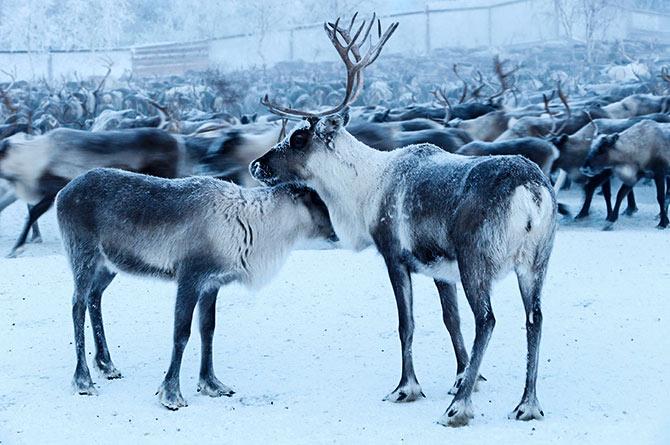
599, 157
290, 160
320, 132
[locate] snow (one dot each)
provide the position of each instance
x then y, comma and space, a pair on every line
312, 354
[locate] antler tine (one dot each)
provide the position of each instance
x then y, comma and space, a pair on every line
442, 99
564, 99
352, 40
353, 20
464, 95
282, 111
376, 50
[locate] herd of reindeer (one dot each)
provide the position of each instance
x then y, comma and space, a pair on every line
155, 178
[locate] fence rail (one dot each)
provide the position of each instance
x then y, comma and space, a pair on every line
420, 32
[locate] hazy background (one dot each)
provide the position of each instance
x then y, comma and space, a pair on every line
55, 39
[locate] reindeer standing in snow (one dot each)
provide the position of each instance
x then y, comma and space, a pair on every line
451, 217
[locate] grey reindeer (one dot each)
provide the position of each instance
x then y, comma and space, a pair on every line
200, 232
453, 218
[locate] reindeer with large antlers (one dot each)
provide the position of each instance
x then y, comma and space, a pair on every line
453, 218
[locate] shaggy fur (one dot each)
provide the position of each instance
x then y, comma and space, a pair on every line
450, 217
200, 232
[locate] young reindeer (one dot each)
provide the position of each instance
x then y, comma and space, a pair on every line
451, 217
201, 232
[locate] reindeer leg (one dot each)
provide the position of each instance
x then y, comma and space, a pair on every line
34, 213
452, 321
659, 179
408, 389
169, 393
209, 385
632, 205
530, 284
589, 189
478, 292
607, 195
37, 236
84, 264
623, 192
103, 361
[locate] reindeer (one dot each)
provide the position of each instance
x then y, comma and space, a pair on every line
537, 150
638, 105
450, 217
38, 167
643, 149
200, 232
575, 148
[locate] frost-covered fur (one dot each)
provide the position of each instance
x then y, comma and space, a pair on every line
200, 232
448, 216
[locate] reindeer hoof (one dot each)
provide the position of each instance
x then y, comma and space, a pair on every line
108, 370
458, 414
527, 410
15, 252
408, 392
214, 388
608, 227
84, 386
170, 397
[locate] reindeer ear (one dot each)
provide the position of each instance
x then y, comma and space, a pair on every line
312, 121
328, 126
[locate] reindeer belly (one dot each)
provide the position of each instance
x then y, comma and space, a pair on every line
440, 269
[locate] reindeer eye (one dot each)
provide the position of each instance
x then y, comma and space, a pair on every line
299, 139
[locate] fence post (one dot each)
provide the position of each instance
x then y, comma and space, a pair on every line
490, 26
290, 45
427, 42
50, 65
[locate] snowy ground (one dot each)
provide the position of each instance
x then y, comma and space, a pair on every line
312, 354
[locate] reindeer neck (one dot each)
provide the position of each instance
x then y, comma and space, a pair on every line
348, 179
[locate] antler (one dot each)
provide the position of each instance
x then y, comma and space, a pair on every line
564, 100
354, 67
464, 95
441, 97
503, 77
